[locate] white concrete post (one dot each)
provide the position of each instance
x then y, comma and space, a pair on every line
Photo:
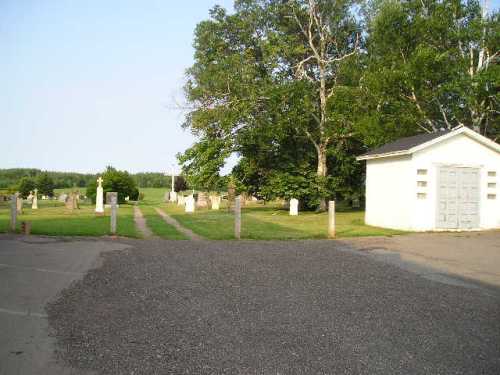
13, 212
237, 218
331, 219
114, 212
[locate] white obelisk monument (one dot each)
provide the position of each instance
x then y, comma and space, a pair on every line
99, 198
34, 202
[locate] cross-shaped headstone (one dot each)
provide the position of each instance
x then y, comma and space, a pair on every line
99, 181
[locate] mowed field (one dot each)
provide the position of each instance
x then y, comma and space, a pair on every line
259, 221
53, 218
264, 221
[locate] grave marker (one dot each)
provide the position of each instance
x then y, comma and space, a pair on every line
113, 199
237, 218
294, 207
331, 219
34, 202
99, 207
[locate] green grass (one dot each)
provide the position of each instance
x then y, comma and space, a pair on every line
270, 222
158, 226
55, 220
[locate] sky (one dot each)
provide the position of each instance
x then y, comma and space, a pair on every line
86, 84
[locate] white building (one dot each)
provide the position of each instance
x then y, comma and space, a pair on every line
446, 180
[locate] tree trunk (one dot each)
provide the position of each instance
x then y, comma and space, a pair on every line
321, 172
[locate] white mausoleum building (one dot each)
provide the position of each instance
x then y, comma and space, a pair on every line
439, 181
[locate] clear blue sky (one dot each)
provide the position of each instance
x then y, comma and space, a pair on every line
85, 84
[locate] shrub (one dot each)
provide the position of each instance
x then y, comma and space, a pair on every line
115, 180
26, 184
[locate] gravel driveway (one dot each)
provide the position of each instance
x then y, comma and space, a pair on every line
296, 307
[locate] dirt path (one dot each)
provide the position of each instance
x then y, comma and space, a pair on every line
170, 220
140, 223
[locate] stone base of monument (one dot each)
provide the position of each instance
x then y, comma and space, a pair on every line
99, 214
109, 206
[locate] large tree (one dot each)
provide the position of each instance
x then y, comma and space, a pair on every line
269, 82
431, 65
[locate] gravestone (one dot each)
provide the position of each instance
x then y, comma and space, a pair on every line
19, 203
215, 199
173, 196
294, 207
30, 197
99, 208
181, 200
202, 200
72, 201
34, 202
190, 203
63, 197
166, 196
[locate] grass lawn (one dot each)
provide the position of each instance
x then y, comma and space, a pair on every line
52, 218
270, 222
158, 226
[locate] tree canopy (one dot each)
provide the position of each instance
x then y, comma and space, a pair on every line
298, 88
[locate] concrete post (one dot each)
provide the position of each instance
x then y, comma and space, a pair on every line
331, 219
13, 212
237, 218
114, 210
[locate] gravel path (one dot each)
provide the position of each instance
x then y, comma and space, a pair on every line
140, 223
170, 220
297, 307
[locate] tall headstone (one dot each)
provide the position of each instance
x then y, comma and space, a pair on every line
99, 204
294, 207
34, 202
173, 194
19, 203
113, 200
215, 199
189, 207
30, 197
166, 196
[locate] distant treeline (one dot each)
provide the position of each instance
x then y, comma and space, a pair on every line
9, 178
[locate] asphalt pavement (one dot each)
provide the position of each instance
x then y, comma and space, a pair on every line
253, 307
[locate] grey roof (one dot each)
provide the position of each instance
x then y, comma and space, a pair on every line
405, 144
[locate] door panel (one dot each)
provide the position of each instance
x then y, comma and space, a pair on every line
458, 198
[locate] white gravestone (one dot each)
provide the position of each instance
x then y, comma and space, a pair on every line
173, 196
99, 199
181, 200
294, 207
63, 197
215, 199
190, 204
30, 197
34, 202
166, 196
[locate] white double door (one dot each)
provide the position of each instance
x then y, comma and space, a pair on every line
458, 198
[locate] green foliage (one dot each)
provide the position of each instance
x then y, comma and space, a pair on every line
26, 184
430, 65
118, 181
45, 184
11, 177
180, 183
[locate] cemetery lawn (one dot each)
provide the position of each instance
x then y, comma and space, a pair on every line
53, 219
158, 226
270, 222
